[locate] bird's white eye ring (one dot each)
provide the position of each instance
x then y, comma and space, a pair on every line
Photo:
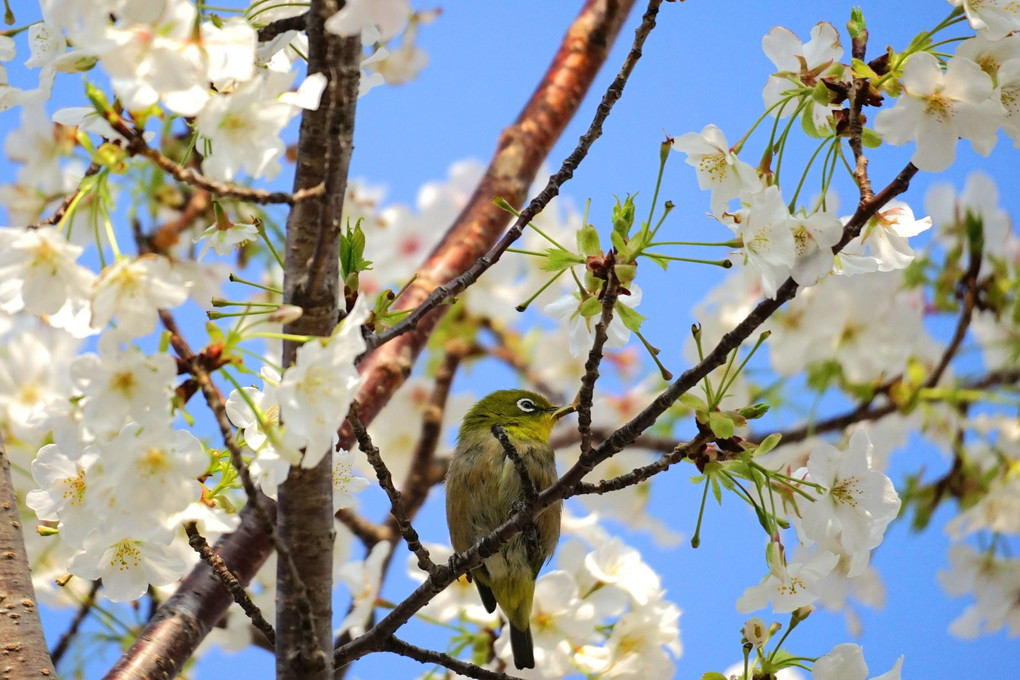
526, 405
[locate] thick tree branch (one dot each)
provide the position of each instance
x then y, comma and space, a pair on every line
25, 654
311, 281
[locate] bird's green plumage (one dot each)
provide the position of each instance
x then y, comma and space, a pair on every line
482, 487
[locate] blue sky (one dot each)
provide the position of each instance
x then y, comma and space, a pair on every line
703, 64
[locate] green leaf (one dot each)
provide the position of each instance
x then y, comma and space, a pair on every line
712, 675
870, 139
863, 70
619, 241
754, 411
590, 307
352, 250
721, 424
716, 489
807, 124
626, 273
623, 216
631, 319
659, 260
770, 442
692, 401
856, 26
215, 333
558, 259
588, 240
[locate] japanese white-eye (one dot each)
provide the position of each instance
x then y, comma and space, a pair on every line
482, 489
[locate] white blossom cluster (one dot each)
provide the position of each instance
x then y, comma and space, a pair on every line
601, 612
114, 478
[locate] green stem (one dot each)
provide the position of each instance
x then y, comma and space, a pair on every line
696, 538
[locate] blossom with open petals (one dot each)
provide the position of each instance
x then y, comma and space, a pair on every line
936, 108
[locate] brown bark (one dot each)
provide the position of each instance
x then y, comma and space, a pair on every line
23, 651
311, 280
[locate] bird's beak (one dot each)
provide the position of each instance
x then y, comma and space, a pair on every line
564, 411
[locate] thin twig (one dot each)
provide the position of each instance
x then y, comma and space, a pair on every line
382, 473
137, 146
528, 491
610, 291
219, 408
221, 571
397, 646
638, 475
64, 643
420, 480
61, 210
367, 531
858, 95
969, 282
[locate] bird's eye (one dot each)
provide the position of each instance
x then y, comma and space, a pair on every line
526, 405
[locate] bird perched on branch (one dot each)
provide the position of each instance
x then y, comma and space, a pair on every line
484, 488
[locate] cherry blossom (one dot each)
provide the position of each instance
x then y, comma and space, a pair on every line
63, 493
133, 290
364, 578
39, 271
857, 505
846, 662
127, 561
345, 482
788, 586
373, 20
802, 67
813, 236
243, 126
936, 108
121, 384
768, 243
995, 18
718, 168
225, 238
582, 329
883, 242
316, 392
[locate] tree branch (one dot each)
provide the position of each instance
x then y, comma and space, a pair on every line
610, 291
229, 581
397, 646
25, 654
311, 281
382, 473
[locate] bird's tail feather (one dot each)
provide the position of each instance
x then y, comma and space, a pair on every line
522, 646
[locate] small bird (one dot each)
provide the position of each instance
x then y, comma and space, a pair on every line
482, 490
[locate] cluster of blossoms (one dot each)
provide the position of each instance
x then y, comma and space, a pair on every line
115, 479
601, 612
850, 505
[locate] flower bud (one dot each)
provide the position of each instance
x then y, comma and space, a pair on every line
588, 241
755, 632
